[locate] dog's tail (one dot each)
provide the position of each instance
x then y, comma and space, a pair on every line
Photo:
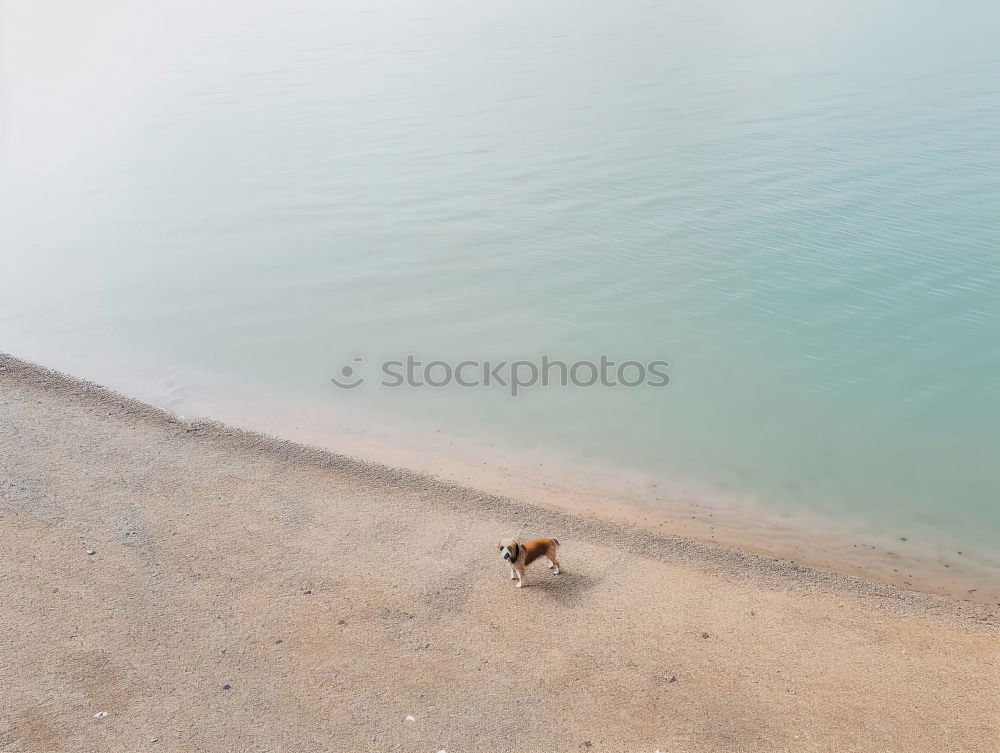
556, 542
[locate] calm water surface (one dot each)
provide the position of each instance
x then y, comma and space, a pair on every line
793, 202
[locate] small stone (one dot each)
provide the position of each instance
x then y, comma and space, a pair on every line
154, 739
100, 714
341, 622
90, 551
427, 645
226, 686
704, 635
903, 538
587, 743
672, 679
409, 718
307, 592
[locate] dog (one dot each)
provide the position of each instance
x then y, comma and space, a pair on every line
521, 555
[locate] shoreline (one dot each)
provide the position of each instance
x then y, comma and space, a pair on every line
795, 545
184, 585
910, 557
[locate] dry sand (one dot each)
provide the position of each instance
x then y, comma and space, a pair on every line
251, 594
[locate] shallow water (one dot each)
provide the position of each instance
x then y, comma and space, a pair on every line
794, 205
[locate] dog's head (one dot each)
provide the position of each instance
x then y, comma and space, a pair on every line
509, 549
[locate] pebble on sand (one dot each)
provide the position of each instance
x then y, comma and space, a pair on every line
100, 714
341, 622
226, 686
90, 551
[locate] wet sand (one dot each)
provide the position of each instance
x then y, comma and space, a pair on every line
247, 593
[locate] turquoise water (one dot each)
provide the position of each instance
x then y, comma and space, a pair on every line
795, 203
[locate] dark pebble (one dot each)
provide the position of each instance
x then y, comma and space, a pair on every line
704, 635
902, 538
227, 686
307, 592
672, 679
586, 743
341, 622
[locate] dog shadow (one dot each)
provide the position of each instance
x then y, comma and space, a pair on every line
568, 586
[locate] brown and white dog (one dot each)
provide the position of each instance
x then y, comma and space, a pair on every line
521, 555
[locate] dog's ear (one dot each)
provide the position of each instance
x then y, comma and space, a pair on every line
500, 547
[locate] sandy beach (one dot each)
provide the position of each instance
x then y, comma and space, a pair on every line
186, 586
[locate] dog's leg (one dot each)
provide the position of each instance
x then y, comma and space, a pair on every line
512, 576
553, 562
520, 578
